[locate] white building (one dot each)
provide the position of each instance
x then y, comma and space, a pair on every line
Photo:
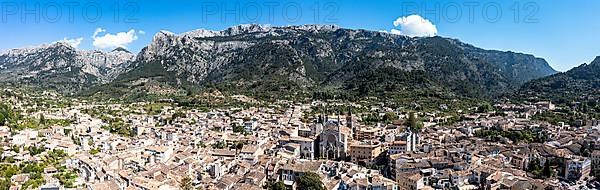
250, 125
19, 139
577, 168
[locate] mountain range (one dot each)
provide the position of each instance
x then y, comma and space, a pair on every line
260, 59
62, 67
581, 83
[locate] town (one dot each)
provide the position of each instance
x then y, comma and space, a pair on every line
54, 142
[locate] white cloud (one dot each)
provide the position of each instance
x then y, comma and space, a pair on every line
141, 32
394, 31
121, 39
72, 42
414, 26
99, 30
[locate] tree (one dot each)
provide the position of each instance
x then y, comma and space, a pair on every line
279, 185
547, 171
414, 123
585, 150
8, 116
219, 145
42, 119
534, 167
389, 117
239, 146
34, 150
310, 181
5, 183
95, 151
485, 107
186, 184
3, 114
16, 148
238, 128
178, 114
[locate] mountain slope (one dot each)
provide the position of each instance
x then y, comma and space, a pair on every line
255, 58
579, 83
61, 67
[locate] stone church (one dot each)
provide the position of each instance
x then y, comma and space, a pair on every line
333, 140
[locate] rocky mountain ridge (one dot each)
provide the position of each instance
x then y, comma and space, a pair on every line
258, 58
581, 83
62, 66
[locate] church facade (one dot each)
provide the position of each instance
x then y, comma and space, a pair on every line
333, 140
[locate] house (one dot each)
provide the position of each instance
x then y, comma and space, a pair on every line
104, 185
577, 168
379, 182
255, 178
51, 186
364, 153
307, 146
19, 179
158, 153
367, 133
70, 149
250, 152
50, 170
289, 172
397, 147
505, 180
249, 126
595, 162
19, 139
410, 181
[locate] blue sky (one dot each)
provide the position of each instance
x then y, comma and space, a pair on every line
563, 32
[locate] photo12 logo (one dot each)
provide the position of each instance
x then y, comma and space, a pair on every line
53, 12
252, 12
491, 12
